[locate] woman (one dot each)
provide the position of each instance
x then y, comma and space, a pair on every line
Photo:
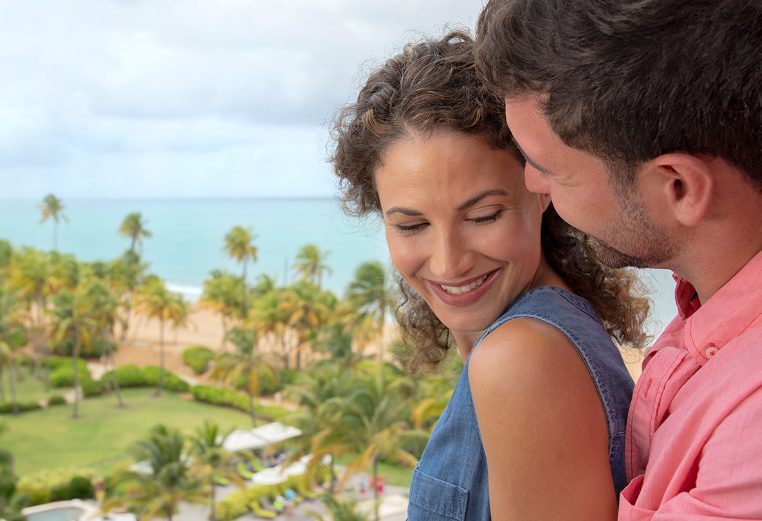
535, 426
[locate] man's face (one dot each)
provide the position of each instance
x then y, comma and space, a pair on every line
616, 218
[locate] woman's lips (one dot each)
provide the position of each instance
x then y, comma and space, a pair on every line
466, 292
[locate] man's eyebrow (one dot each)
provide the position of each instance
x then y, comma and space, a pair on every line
532, 163
478, 197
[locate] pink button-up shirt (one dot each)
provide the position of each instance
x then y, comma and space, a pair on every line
694, 435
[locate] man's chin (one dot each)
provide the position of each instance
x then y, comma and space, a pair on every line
614, 258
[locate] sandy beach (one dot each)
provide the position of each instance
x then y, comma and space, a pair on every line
205, 328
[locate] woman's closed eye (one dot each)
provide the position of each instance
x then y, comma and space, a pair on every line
485, 219
410, 228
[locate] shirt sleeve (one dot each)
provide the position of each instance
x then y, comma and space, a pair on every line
728, 473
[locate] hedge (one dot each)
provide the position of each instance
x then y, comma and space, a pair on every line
198, 358
56, 485
134, 376
62, 375
7, 407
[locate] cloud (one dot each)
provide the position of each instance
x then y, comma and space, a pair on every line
217, 88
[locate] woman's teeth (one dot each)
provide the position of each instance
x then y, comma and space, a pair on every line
459, 290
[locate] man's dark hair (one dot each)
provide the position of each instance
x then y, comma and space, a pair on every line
629, 80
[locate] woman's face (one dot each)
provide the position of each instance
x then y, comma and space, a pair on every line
461, 227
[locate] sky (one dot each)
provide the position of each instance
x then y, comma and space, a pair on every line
190, 98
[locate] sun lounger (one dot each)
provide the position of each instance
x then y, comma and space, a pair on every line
259, 511
243, 471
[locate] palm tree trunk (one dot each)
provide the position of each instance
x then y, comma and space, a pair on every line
224, 330
375, 489
12, 386
251, 405
117, 390
55, 236
74, 357
160, 384
212, 513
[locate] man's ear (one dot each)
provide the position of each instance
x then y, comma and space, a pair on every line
544, 201
686, 182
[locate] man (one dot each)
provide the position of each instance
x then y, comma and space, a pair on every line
643, 120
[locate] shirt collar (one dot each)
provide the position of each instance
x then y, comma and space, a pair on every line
735, 306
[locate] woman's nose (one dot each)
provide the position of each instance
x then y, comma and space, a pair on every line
450, 258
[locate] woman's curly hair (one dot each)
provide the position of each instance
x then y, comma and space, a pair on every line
433, 85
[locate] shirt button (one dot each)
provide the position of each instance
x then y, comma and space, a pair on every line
711, 350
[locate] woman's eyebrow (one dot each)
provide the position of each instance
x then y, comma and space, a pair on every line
469, 202
403, 211
478, 197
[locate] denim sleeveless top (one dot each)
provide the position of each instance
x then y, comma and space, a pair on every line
450, 480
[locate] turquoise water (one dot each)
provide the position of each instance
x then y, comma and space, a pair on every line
188, 237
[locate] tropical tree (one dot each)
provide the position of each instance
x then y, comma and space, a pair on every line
12, 339
223, 294
128, 272
73, 318
309, 310
270, 317
52, 208
373, 417
10, 502
241, 365
167, 480
157, 302
179, 313
211, 461
370, 297
31, 280
239, 245
342, 510
310, 264
134, 227
105, 314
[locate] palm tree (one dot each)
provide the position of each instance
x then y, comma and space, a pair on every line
167, 481
211, 460
30, 278
308, 310
179, 313
310, 264
370, 296
239, 245
52, 208
134, 227
127, 273
12, 338
155, 301
105, 305
241, 364
73, 318
373, 416
270, 317
222, 294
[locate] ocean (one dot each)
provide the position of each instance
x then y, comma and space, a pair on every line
187, 239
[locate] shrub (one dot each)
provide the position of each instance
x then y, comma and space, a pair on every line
55, 485
92, 388
287, 377
198, 358
63, 375
56, 399
127, 376
134, 376
221, 396
172, 382
7, 407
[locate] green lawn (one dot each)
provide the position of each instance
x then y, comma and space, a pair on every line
393, 474
101, 437
28, 387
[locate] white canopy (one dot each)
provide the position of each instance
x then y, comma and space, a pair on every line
259, 437
271, 476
